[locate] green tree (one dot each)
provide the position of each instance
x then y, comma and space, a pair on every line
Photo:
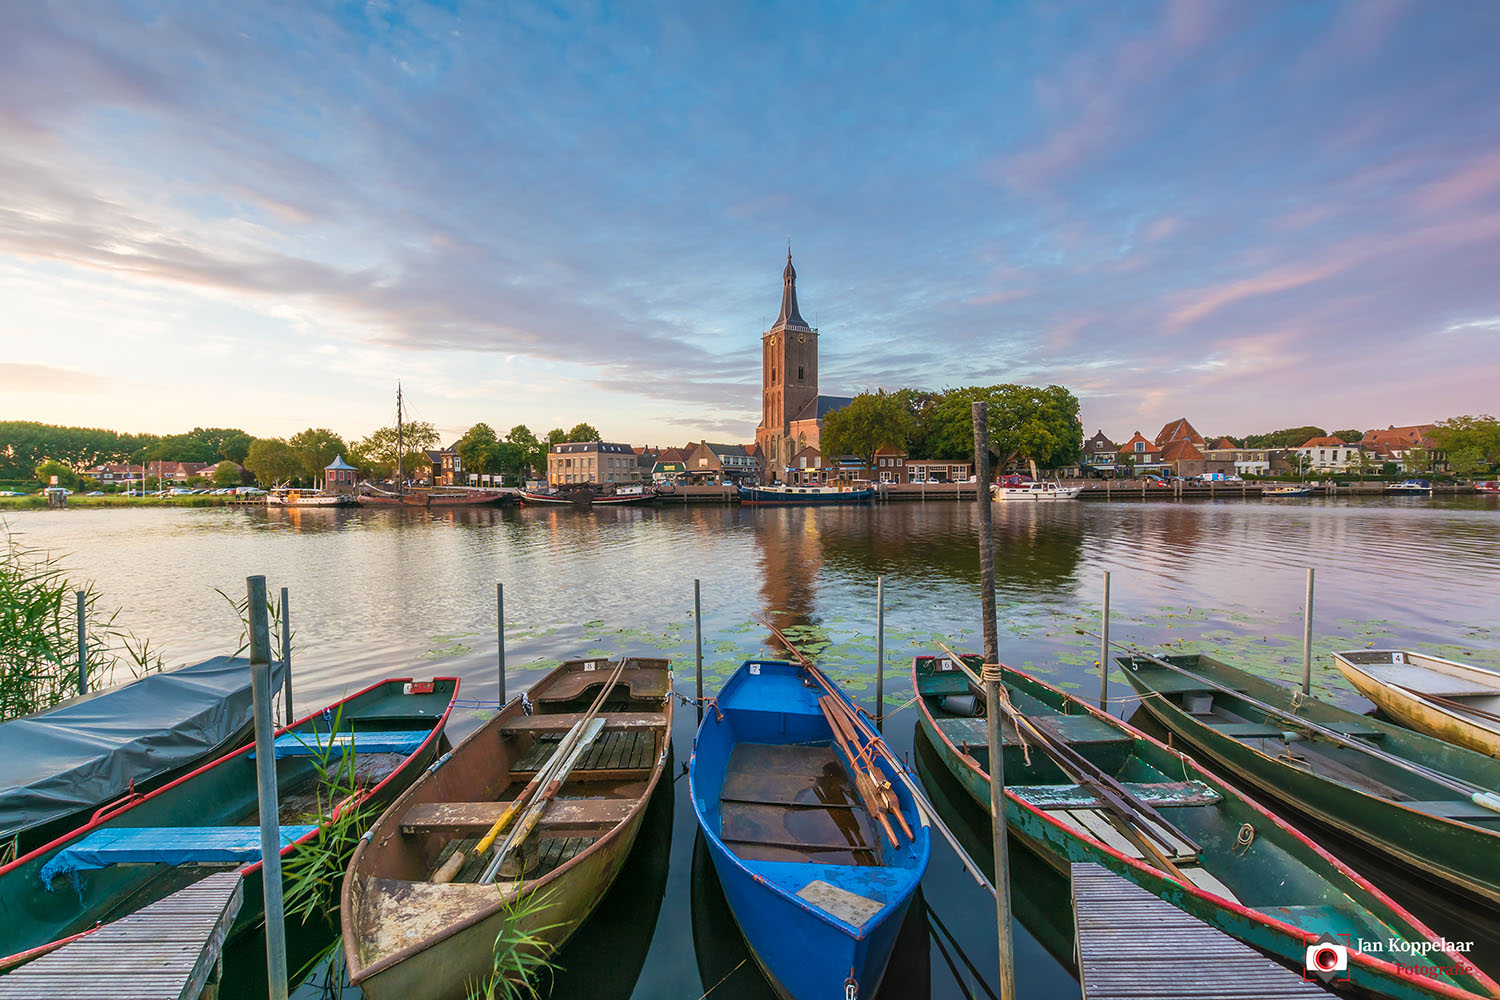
379, 450
227, 474
1418, 459
1474, 440
1364, 463
583, 432
870, 422
557, 436
315, 448
531, 454
479, 450
66, 477
1040, 426
1348, 437
271, 461
1291, 437
1298, 461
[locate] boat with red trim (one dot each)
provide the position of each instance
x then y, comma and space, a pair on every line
1085, 786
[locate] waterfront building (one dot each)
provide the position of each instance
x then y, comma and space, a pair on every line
1328, 454
938, 470
447, 467
340, 477
1412, 447
721, 462
1100, 456
792, 411
890, 466
1144, 455
1182, 451
1246, 461
112, 473
598, 462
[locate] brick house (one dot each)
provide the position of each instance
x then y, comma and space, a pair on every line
1410, 447
1143, 455
601, 462
890, 466
1100, 456
729, 462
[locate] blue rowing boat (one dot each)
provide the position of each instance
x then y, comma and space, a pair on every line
818, 881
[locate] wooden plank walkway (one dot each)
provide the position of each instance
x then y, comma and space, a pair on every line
165, 951
1133, 946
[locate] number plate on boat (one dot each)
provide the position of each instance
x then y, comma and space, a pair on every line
417, 687
755, 668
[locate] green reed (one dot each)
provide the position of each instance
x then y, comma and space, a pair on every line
520, 955
39, 633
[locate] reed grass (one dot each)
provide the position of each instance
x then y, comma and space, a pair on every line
39, 633
520, 955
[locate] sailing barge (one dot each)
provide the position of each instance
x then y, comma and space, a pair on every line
543, 802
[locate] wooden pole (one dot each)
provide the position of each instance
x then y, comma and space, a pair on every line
500, 635
286, 656
1307, 613
986, 533
698, 643
1104, 650
265, 774
992, 680
83, 645
880, 653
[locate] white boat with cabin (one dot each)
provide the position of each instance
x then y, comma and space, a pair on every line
1036, 491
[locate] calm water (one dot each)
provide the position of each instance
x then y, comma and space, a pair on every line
377, 593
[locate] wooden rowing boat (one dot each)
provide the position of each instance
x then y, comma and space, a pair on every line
1452, 701
1410, 816
1238, 867
407, 935
140, 850
818, 880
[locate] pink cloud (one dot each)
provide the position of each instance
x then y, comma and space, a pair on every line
1211, 300
1479, 178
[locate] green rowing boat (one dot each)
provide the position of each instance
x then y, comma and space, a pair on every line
1413, 798
1152, 815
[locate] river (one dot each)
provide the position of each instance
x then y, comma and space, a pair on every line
377, 593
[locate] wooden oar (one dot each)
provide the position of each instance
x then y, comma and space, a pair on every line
1451, 704
1123, 811
897, 768
862, 785
1482, 797
843, 720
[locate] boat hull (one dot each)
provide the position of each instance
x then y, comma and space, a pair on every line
1423, 715
1269, 926
810, 497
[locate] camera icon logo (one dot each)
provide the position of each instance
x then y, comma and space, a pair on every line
1328, 959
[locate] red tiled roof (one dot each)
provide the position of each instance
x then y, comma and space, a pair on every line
1414, 436
1224, 444
1323, 442
1128, 448
1179, 449
1179, 429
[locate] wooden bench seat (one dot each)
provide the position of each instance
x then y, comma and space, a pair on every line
563, 721
458, 819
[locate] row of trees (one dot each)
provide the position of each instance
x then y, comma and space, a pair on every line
1291, 437
1471, 441
26, 444
1027, 424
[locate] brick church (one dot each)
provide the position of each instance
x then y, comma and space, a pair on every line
792, 412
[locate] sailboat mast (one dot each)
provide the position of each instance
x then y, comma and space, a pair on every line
400, 445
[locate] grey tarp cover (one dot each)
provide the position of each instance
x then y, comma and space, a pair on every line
86, 751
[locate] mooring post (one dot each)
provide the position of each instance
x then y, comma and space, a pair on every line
698, 643
500, 635
992, 677
1104, 650
83, 645
286, 656
880, 652
1307, 613
265, 774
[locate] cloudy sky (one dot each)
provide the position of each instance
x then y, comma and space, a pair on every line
264, 215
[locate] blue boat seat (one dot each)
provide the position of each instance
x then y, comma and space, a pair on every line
164, 845
402, 741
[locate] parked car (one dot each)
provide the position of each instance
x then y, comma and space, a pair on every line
10, 493
94, 493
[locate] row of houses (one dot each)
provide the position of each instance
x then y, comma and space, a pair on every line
1180, 450
125, 473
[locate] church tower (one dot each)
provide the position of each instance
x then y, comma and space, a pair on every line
789, 378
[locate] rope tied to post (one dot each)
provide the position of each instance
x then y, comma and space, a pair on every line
992, 672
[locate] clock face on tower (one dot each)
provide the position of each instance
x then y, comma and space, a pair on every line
801, 338
773, 340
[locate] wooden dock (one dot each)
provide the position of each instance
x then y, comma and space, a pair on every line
169, 950
1132, 946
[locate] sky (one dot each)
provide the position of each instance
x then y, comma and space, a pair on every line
264, 215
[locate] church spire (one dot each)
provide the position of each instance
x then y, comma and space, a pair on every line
789, 315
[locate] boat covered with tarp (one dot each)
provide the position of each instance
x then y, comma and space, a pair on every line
59, 765
1082, 785
355, 755
817, 841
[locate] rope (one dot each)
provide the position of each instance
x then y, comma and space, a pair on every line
995, 672
726, 976
1245, 838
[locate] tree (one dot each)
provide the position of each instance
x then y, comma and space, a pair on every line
1348, 437
379, 450
271, 461
1365, 464
531, 454
1288, 438
557, 436
227, 473
66, 477
870, 422
583, 432
1418, 459
1472, 440
315, 448
479, 450
1040, 426
1298, 461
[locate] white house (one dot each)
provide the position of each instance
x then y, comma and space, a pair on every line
1329, 454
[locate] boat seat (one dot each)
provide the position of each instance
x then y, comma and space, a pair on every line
1162, 794
1072, 729
944, 682
1352, 729
1095, 823
402, 741
563, 721
461, 819
1460, 809
164, 845
1170, 682
1247, 730
641, 680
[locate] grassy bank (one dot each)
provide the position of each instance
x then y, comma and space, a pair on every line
78, 500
